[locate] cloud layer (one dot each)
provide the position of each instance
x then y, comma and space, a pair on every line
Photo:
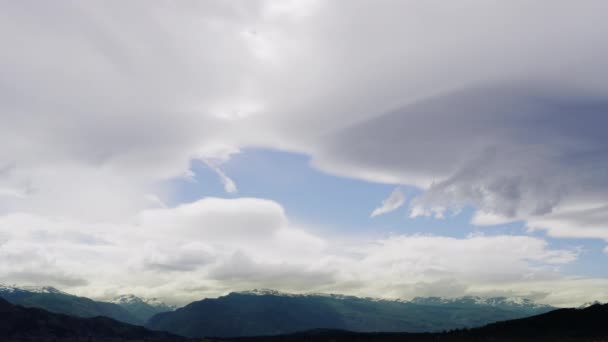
460, 99
495, 105
213, 245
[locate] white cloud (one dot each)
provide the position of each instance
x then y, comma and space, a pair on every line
217, 218
585, 220
393, 202
481, 218
229, 185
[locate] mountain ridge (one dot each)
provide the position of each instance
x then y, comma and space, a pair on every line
270, 312
132, 309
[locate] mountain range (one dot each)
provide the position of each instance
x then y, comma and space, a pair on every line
19, 324
125, 308
267, 312
588, 323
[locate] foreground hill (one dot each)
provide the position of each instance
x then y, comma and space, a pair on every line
31, 324
126, 308
563, 325
272, 313
555, 325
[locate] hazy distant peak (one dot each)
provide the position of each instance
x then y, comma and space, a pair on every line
131, 299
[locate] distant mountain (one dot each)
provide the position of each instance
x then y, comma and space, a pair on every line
32, 324
562, 325
53, 300
142, 308
269, 312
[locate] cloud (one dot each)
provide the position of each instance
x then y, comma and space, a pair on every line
473, 117
166, 250
244, 271
47, 278
200, 240
229, 185
182, 257
459, 99
488, 158
217, 218
394, 201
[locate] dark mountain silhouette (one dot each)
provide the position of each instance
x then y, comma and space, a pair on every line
32, 324
562, 325
272, 313
574, 323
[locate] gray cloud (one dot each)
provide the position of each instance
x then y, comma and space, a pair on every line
516, 151
36, 277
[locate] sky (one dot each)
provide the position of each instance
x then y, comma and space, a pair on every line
394, 149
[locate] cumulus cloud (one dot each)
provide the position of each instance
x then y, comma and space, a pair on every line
393, 202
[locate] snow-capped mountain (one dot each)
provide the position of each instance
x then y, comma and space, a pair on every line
129, 299
143, 308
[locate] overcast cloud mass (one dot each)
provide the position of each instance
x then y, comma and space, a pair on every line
498, 106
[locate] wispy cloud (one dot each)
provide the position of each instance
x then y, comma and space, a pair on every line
229, 184
393, 202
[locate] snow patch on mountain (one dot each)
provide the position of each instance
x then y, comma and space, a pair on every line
130, 299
